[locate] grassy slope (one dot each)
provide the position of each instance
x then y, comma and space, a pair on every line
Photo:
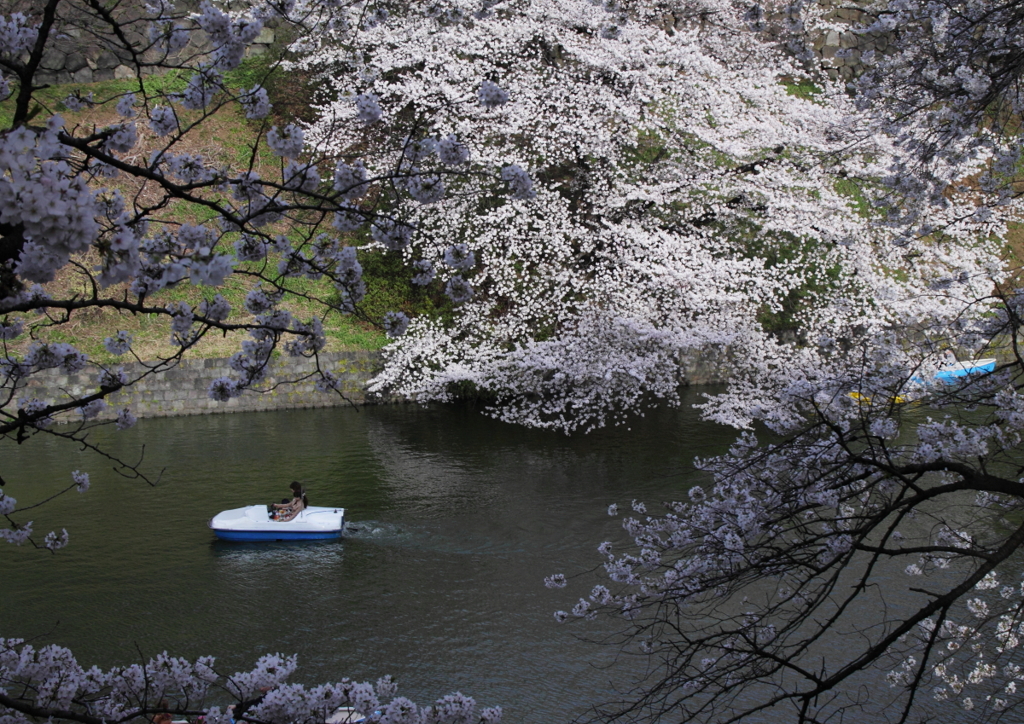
225, 138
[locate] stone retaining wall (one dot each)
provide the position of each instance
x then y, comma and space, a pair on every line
704, 368
82, 51
70, 60
183, 389
839, 52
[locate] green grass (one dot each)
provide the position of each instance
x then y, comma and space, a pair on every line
226, 137
853, 189
50, 100
802, 89
650, 148
87, 329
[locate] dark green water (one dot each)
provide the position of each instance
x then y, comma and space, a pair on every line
456, 520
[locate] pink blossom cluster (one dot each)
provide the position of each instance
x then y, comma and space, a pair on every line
50, 679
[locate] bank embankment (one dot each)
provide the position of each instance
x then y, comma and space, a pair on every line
184, 389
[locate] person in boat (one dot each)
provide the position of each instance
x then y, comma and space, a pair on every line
298, 503
162, 717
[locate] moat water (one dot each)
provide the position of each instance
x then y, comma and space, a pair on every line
454, 521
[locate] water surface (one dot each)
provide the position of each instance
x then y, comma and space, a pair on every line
454, 519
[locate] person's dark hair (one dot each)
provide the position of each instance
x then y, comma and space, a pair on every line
300, 492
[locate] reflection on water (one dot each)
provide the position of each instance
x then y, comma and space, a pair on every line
454, 520
300, 556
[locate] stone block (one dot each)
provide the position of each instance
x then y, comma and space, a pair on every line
848, 40
135, 37
83, 75
200, 43
178, 386
106, 60
152, 55
53, 59
266, 36
123, 72
75, 61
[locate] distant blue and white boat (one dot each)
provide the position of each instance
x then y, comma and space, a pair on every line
253, 523
952, 372
346, 715
949, 373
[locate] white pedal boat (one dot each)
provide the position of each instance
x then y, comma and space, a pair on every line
253, 523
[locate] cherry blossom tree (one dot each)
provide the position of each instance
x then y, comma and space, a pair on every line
680, 198
866, 563
948, 94
596, 190
856, 553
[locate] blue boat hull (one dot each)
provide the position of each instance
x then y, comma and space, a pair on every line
246, 535
964, 369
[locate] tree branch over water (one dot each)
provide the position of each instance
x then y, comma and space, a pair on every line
579, 198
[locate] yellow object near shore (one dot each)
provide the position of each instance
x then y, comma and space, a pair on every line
951, 373
898, 399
